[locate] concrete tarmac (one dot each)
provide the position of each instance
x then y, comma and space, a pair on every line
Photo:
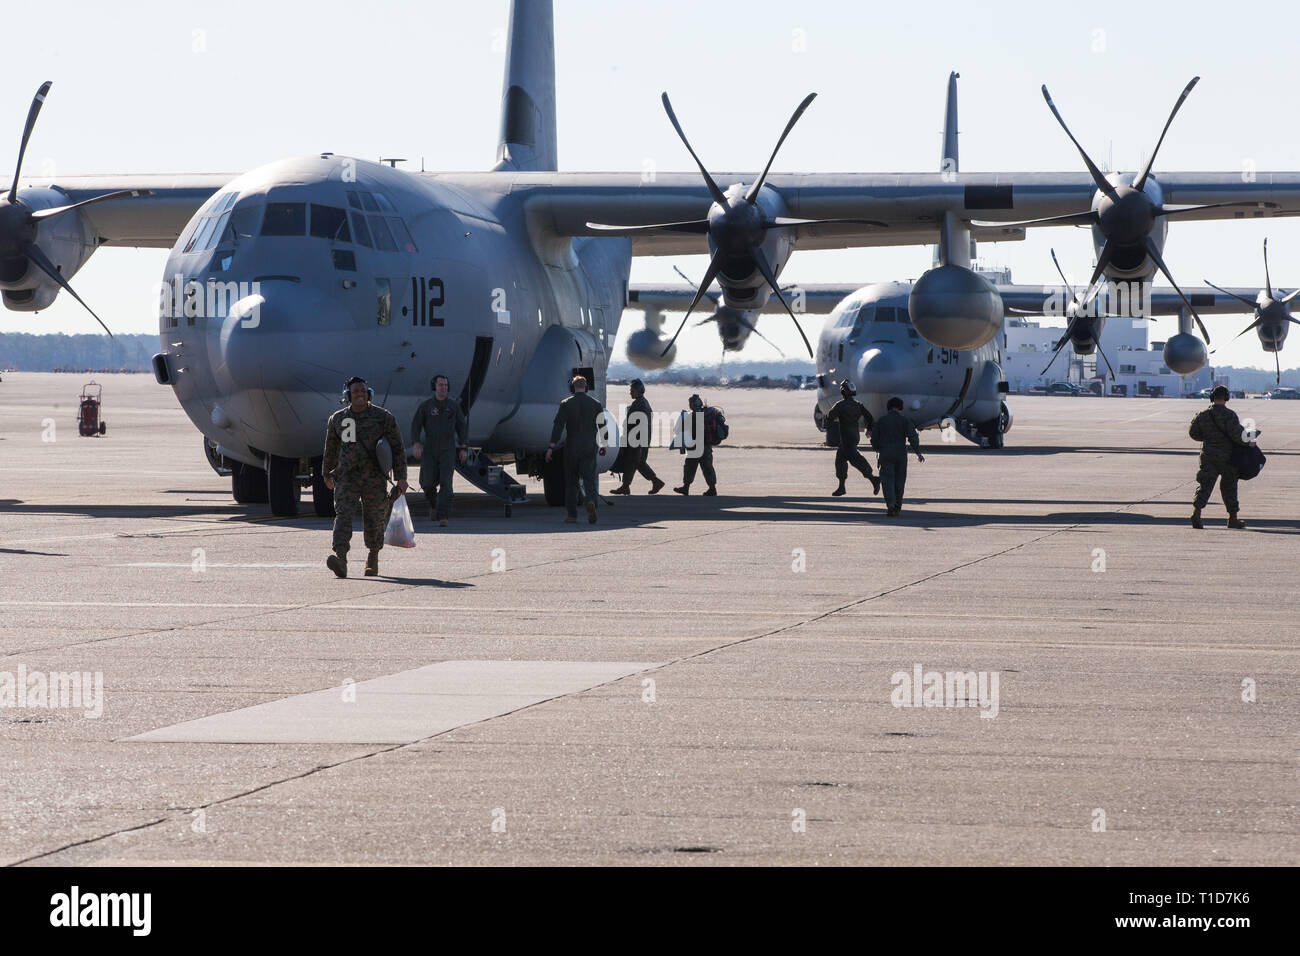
717, 678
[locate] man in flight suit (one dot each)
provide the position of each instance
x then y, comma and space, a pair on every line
693, 430
1219, 431
352, 471
637, 429
578, 417
890, 436
851, 414
442, 424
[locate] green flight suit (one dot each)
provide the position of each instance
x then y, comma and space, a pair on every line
578, 418
851, 414
1219, 430
640, 420
350, 439
445, 430
890, 436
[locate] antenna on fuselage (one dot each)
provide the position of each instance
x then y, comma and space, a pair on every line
392, 161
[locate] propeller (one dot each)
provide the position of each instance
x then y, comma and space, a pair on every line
1125, 214
1268, 308
736, 226
19, 222
737, 314
1075, 311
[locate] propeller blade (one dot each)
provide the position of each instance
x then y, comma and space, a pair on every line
53, 211
699, 226
1179, 210
1154, 253
689, 281
1291, 296
752, 193
1060, 345
714, 191
1139, 183
1268, 285
1103, 260
33, 111
1109, 367
790, 221
764, 267
1239, 298
34, 253
747, 324
1277, 364
1250, 328
1061, 273
1102, 183
711, 273
1073, 219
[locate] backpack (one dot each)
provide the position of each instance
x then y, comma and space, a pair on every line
716, 429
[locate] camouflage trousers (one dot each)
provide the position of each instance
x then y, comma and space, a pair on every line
370, 496
1216, 468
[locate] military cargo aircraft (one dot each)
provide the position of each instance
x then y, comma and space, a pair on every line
282, 282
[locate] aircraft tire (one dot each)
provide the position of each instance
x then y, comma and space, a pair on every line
247, 483
282, 489
322, 498
553, 479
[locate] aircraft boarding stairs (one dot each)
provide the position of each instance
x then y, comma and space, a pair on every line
487, 476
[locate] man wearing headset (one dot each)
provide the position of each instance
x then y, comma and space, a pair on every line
352, 471
441, 423
854, 419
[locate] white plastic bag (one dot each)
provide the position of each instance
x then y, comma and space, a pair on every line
400, 532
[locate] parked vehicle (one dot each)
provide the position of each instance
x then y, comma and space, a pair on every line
1283, 392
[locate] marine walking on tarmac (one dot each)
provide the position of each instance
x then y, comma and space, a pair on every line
702, 428
352, 470
890, 437
852, 418
577, 419
439, 432
637, 427
1220, 433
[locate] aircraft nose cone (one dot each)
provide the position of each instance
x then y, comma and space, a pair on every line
283, 335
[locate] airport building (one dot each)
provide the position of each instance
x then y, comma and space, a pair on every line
1138, 362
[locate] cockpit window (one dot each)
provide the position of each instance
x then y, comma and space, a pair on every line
329, 222
360, 228
864, 316
383, 238
354, 200
285, 219
368, 201
206, 226
886, 314
382, 201
246, 218
401, 234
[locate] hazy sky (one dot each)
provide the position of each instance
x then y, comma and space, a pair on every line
177, 87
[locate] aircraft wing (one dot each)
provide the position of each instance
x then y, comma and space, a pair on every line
816, 299
911, 204
1051, 300
153, 221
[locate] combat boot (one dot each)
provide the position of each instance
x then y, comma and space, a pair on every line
591, 512
338, 563
623, 489
656, 486
839, 492
1235, 522
710, 492
875, 484
683, 490
372, 564
1196, 519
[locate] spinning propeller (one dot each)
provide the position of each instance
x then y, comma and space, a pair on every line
1268, 308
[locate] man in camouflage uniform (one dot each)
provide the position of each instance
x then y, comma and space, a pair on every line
352, 471
851, 413
637, 427
890, 437
444, 428
578, 417
1219, 431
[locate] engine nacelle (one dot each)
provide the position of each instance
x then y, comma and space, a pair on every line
1185, 353
645, 349
66, 240
954, 308
734, 326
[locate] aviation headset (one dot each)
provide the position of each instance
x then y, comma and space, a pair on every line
433, 382
573, 383
848, 388
347, 388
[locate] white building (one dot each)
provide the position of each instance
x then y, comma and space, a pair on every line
1139, 367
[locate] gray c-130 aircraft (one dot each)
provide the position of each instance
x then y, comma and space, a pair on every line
508, 281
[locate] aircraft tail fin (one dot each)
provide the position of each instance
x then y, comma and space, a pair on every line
956, 247
527, 139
